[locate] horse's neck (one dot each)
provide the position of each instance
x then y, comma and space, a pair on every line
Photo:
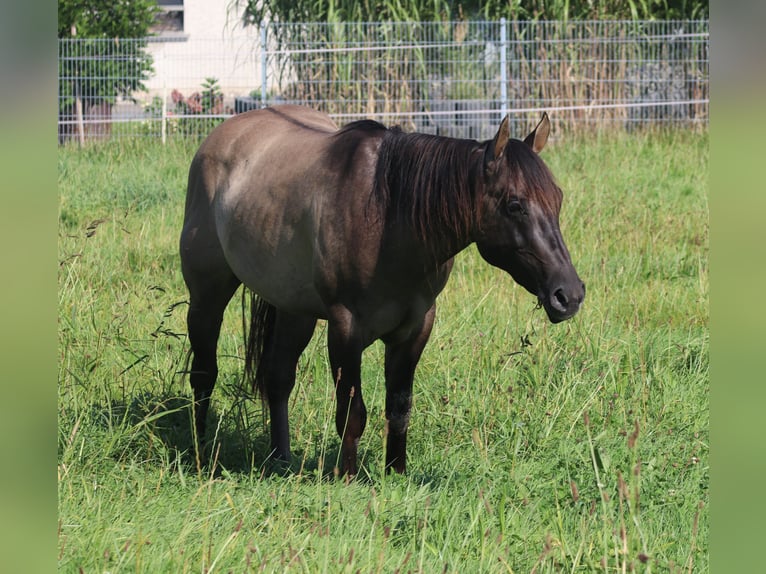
431, 187
427, 252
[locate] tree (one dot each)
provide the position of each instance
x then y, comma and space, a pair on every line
102, 45
105, 18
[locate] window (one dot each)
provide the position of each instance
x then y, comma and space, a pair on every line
169, 23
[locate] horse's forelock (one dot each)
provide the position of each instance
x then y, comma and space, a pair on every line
531, 175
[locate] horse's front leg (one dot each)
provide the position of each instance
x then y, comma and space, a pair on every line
401, 359
345, 348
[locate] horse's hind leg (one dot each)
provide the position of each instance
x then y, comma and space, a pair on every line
203, 321
289, 338
211, 286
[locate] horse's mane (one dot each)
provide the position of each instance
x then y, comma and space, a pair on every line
361, 125
426, 182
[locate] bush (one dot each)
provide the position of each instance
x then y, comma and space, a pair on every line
193, 115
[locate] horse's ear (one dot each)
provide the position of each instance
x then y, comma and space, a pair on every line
502, 137
536, 140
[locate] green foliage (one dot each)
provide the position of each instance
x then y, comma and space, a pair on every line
192, 116
212, 97
205, 103
105, 19
442, 67
437, 10
578, 447
113, 61
100, 70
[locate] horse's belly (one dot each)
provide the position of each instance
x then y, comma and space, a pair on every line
268, 243
284, 280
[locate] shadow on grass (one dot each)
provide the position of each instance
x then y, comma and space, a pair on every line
155, 430
158, 427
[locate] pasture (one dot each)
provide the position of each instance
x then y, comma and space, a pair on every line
577, 447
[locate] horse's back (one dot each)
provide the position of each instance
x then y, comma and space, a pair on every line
252, 199
278, 122
268, 135
248, 151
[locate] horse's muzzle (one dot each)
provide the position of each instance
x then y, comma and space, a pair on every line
564, 301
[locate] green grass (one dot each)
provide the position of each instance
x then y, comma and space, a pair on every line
578, 447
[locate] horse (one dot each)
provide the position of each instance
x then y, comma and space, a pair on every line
357, 226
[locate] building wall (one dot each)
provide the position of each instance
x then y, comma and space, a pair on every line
213, 43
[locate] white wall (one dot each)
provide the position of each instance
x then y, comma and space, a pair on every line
213, 44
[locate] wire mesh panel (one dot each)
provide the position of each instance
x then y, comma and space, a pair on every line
622, 73
450, 78
434, 77
93, 75
459, 78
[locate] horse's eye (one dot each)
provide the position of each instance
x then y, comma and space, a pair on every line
515, 207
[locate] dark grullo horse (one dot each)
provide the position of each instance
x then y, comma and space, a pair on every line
358, 226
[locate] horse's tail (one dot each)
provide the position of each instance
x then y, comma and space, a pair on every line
257, 339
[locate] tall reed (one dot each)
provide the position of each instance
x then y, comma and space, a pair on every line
432, 76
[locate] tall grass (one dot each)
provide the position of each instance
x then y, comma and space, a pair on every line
435, 72
419, 10
561, 53
534, 447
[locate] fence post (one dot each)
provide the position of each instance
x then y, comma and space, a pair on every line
78, 111
503, 69
264, 63
164, 112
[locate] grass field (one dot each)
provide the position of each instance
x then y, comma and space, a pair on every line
578, 447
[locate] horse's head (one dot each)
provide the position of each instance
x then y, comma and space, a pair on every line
518, 221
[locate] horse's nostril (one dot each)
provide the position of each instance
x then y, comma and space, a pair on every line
561, 298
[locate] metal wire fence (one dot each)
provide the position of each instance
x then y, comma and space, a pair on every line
450, 78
